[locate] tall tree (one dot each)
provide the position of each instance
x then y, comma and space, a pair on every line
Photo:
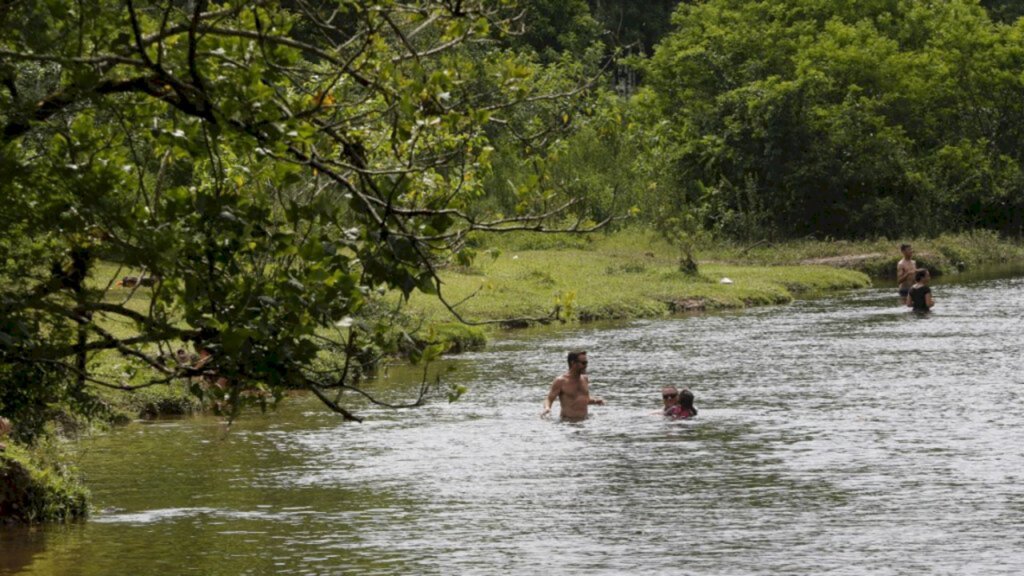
844, 119
637, 24
1008, 11
553, 27
270, 166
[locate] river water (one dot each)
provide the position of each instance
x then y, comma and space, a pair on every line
835, 436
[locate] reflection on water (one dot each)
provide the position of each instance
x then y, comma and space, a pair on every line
840, 436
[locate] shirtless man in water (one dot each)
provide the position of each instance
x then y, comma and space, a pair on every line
905, 270
572, 390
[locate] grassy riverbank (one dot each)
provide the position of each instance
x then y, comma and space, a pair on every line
36, 485
947, 254
634, 273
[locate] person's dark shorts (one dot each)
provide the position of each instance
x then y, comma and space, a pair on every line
904, 292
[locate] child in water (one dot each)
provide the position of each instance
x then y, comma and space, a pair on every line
920, 296
678, 405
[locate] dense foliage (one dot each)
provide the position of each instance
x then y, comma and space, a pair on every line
270, 168
638, 23
1004, 10
886, 117
37, 486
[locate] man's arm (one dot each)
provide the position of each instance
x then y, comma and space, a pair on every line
556, 389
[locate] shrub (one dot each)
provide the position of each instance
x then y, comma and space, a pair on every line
455, 337
36, 487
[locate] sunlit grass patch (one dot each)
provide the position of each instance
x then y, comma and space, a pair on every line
949, 253
639, 277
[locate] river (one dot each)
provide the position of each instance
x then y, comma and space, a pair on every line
836, 436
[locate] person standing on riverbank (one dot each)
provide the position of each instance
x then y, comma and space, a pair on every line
905, 269
572, 390
920, 296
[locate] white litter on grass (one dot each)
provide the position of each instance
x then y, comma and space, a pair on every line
725, 281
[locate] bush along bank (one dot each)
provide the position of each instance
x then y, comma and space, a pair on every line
36, 486
173, 399
177, 398
452, 337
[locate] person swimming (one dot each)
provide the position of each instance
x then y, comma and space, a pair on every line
920, 297
678, 405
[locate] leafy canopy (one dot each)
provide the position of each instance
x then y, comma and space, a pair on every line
273, 167
845, 118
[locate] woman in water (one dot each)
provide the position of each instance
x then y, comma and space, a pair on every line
677, 405
920, 296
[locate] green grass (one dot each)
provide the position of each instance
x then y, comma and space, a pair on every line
159, 400
634, 273
625, 275
947, 254
454, 337
36, 485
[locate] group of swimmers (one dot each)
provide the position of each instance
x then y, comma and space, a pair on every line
678, 404
912, 282
572, 391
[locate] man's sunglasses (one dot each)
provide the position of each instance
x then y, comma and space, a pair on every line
667, 396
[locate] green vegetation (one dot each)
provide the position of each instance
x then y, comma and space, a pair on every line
272, 168
947, 254
173, 399
847, 119
635, 273
454, 337
626, 274
37, 486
